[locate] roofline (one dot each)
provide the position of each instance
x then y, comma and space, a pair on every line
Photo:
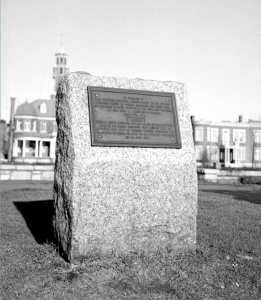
34, 138
59, 53
34, 117
227, 124
48, 100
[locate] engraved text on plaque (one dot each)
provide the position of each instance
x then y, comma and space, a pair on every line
134, 118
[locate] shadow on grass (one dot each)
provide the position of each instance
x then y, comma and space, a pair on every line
249, 196
38, 216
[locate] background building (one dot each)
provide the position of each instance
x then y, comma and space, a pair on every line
35, 132
3, 140
35, 128
232, 144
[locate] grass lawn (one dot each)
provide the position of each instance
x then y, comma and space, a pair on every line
226, 265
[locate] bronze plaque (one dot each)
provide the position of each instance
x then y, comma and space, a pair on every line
133, 118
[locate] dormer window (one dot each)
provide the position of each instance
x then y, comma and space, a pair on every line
43, 108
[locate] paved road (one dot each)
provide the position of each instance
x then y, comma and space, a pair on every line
249, 193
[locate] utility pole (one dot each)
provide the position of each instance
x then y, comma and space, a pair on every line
11, 130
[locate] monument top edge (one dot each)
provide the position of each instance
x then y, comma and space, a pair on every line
86, 74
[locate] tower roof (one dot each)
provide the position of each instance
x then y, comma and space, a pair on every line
61, 48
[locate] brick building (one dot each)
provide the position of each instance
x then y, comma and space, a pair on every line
35, 132
233, 144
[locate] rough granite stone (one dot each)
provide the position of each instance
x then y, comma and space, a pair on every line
121, 199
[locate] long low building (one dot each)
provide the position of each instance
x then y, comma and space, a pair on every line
230, 144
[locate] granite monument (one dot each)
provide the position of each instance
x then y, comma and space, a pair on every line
125, 170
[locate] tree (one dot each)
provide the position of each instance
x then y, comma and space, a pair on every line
205, 160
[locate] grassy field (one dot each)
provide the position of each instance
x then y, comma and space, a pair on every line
226, 264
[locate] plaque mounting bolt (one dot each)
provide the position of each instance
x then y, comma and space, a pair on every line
99, 136
172, 139
167, 100
96, 95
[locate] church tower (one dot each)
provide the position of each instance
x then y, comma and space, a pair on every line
61, 65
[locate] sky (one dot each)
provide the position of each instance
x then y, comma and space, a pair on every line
213, 46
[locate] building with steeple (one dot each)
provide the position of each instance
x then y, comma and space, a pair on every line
35, 126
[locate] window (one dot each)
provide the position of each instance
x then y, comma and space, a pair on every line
43, 126
18, 125
213, 153
27, 126
57, 61
257, 155
242, 154
45, 149
54, 127
30, 148
65, 60
214, 135
239, 135
257, 134
199, 134
225, 136
61, 60
43, 108
61, 70
199, 152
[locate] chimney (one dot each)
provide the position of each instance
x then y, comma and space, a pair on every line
240, 119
